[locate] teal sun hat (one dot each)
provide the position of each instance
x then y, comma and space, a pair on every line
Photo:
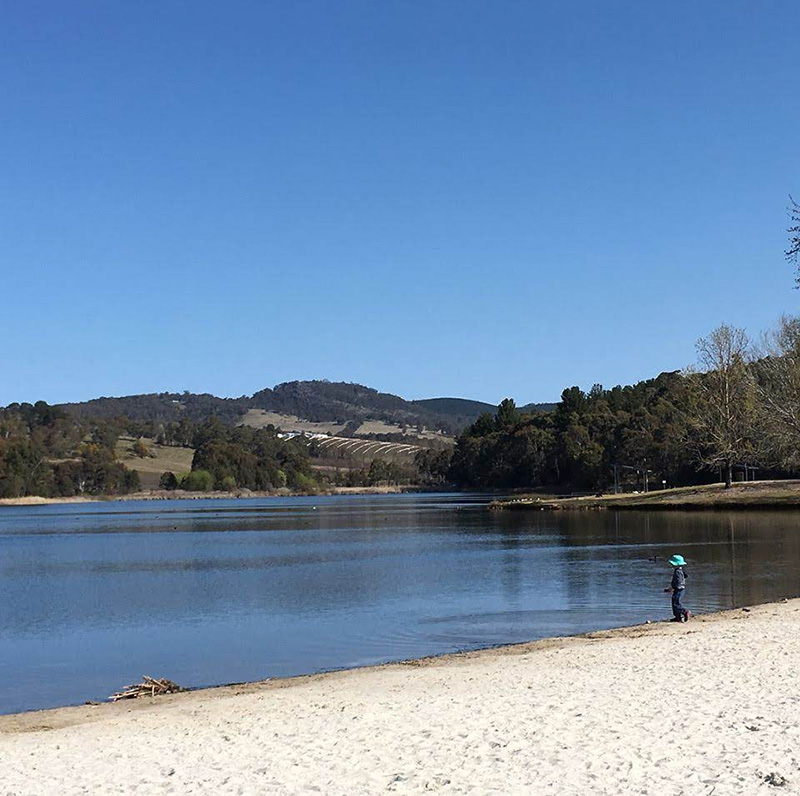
677, 561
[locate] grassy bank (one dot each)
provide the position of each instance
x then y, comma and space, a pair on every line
753, 495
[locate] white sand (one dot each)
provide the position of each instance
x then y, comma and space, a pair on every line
708, 707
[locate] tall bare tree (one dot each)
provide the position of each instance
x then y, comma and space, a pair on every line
777, 371
793, 252
725, 397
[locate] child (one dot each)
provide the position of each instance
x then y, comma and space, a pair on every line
680, 614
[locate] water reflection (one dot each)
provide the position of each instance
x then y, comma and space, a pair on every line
94, 596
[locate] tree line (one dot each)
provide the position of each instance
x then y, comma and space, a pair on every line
44, 451
241, 457
737, 411
47, 451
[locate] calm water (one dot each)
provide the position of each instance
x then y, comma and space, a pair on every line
206, 592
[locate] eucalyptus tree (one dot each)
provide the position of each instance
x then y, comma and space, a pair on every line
777, 371
725, 406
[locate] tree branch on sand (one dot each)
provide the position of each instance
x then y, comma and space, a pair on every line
149, 687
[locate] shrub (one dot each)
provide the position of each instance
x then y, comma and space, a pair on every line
228, 483
168, 481
140, 449
198, 481
303, 482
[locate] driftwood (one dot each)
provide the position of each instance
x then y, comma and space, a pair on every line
149, 687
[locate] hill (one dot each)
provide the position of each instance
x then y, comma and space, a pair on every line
457, 407
342, 402
162, 407
531, 408
352, 408
465, 408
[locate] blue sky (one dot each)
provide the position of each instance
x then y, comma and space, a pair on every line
432, 198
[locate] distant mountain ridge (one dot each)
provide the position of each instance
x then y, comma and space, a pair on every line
455, 406
544, 407
318, 401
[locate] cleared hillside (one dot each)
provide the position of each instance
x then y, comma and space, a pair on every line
259, 418
163, 459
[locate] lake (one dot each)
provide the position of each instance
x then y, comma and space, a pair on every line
93, 596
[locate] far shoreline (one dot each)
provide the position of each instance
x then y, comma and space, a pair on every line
239, 494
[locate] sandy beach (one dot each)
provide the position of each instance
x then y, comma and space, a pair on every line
709, 707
